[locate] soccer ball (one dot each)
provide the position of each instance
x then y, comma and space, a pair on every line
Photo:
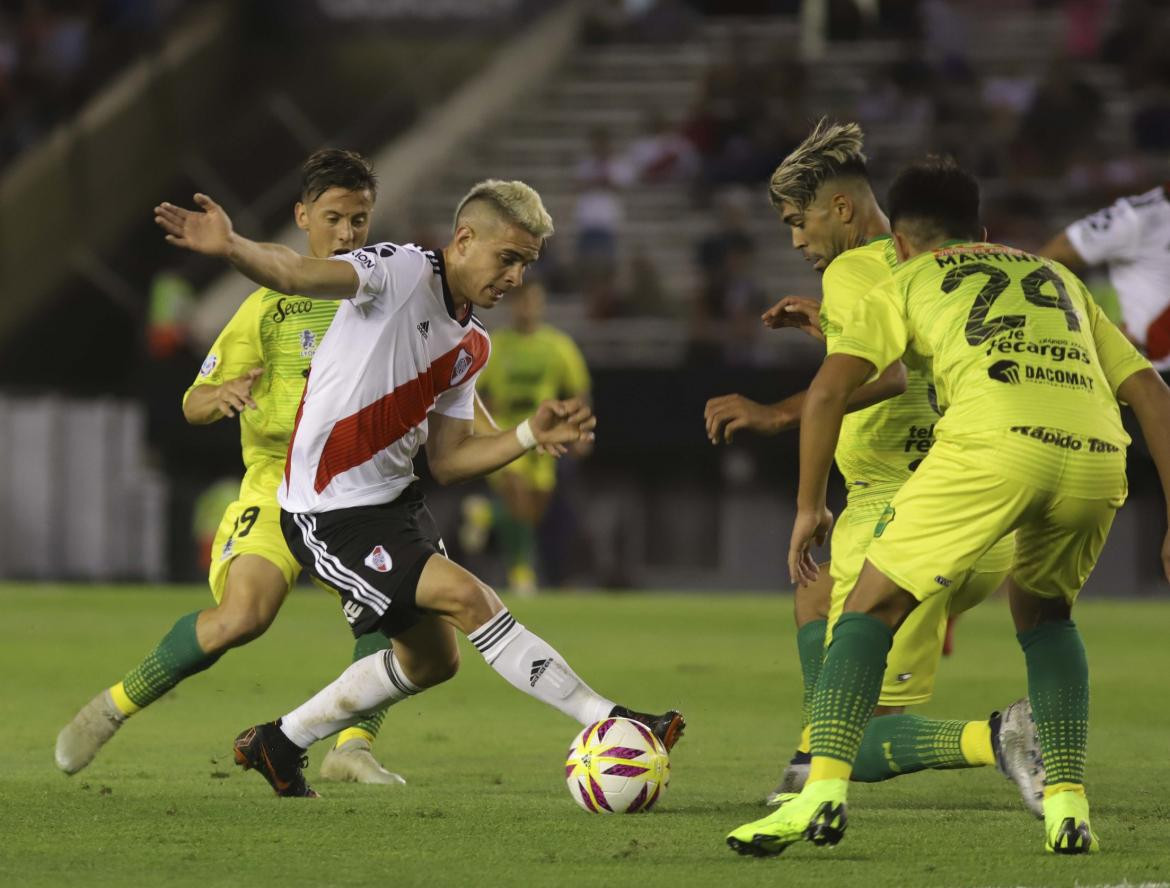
617, 766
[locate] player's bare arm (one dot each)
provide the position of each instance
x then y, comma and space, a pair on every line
208, 230
727, 415
210, 403
798, 312
820, 427
485, 424
1148, 396
1062, 250
455, 453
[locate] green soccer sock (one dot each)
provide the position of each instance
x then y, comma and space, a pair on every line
367, 729
810, 647
517, 540
1058, 686
902, 744
177, 656
848, 689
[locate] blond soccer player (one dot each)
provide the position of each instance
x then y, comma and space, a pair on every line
822, 193
1030, 373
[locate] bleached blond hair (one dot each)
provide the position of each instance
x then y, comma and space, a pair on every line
829, 151
514, 201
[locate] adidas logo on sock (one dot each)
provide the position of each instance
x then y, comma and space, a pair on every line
424, 328
538, 667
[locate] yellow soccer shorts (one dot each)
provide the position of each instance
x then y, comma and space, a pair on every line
912, 663
955, 506
250, 526
539, 470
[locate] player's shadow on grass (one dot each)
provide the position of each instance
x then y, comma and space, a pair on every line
1008, 805
745, 810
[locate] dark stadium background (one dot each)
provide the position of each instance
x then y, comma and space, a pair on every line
109, 106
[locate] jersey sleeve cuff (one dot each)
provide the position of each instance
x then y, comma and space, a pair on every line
370, 275
1077, 239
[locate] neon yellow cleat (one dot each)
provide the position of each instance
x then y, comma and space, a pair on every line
1066, 825
817, 815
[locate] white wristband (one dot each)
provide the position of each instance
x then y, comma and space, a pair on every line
524, 435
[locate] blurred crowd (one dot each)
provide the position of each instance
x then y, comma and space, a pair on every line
1059, 128
54, 54
1055, 127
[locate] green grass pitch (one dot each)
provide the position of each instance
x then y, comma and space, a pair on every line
486, 803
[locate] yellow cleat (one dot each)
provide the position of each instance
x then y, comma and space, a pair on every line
816, 815
1066, 825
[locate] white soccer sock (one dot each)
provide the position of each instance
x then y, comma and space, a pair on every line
530, 664
368, 684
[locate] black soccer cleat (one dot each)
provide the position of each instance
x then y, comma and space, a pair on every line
264, 748
667, 727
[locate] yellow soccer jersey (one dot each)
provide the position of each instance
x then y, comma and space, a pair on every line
527, 368
881, 445
279, 333
1025, 364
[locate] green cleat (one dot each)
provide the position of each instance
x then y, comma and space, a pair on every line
816, 815
1066, 825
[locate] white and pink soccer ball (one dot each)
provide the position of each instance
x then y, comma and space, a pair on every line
617, 766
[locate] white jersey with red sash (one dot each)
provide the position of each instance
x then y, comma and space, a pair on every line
394, 352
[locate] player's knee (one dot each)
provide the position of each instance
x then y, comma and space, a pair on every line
241, 620
473, 603
436, 670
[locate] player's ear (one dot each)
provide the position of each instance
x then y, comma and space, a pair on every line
301, 214
901, 246
843, 207
464, 235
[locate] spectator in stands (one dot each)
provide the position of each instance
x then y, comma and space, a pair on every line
599, 214
1151, 120
1064, 117
662, 153
55, 55
725, 314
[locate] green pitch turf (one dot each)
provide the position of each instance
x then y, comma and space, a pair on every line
486, 803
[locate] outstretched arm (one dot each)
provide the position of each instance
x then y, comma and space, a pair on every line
1062, 250
727, 415
457, 453
208, 230
1147, 394
795, 311
820, 427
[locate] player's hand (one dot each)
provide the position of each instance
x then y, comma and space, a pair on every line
557, 423
795, 311
728, 414
236, 394
206, 230
811, 526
